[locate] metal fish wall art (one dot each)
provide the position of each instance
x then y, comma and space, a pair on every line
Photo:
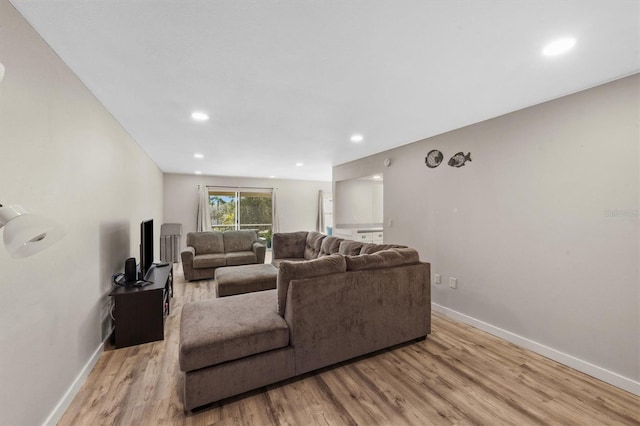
433, 158
459, 159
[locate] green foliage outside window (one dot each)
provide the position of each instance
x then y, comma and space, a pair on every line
253, 211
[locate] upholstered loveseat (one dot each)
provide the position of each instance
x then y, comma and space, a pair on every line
323, 311
207, 251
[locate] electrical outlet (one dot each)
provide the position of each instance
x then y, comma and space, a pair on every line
438, 278
453, 282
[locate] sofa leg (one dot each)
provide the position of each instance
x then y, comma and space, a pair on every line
420, 339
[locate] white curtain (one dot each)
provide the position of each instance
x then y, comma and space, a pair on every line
320, 220
204, 210
275, 225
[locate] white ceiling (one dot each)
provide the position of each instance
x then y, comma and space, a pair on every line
291, 80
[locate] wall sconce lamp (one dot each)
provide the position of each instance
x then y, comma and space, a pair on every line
26, 234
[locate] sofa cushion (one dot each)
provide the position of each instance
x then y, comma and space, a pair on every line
369, 248
288, 271
209, 260
289, 244
206, 242
350, 248
330, 245
241, 258
383, 259
218, 330
313, 244
241, 240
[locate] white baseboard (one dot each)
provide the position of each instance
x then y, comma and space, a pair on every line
64, 403
600, 373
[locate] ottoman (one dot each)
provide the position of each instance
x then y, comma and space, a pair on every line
231, 280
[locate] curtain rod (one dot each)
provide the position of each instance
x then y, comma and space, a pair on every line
240, 187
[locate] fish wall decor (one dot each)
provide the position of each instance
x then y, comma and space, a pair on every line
433, 158
459, 159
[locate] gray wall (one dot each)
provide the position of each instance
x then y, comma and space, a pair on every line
63, 156
361, 201
297, 200
540, 229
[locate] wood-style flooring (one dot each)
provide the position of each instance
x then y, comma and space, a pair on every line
458, 375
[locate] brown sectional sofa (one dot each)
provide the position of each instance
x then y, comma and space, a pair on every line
207, 251
323, 311
303, 245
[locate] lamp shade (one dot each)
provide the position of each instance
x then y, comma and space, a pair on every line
26, 234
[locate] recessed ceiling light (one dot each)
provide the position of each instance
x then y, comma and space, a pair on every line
559, 46
199, 116
357, 138
198, 155
377, 177
299, 164
272, 177
198, 172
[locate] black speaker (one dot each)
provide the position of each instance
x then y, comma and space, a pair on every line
130, 270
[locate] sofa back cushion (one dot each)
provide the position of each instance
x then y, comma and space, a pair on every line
369, 248
313, 244
289, 244
288, 271
330, 245
241, 240
383, 259
350, 248
206, 242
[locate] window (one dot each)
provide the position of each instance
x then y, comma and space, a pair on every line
242, 208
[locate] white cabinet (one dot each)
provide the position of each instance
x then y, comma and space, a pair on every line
377, 237
362, 235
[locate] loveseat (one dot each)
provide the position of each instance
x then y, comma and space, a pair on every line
323, 311
207, 251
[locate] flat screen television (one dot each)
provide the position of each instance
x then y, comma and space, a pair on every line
146, 247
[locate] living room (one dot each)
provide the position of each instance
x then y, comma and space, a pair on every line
540, 228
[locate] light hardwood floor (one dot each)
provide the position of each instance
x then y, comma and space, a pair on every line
458, 375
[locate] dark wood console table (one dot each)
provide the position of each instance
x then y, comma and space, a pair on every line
139, 312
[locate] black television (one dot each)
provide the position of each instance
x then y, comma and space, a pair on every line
146, 247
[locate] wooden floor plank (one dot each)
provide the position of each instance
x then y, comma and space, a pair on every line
458, 375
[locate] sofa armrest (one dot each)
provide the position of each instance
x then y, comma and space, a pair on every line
187, 256
260, 251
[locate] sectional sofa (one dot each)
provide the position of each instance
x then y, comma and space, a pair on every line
324, 310
307, 245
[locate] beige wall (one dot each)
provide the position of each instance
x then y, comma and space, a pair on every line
297, 200
527, 227
63, 156
361, 201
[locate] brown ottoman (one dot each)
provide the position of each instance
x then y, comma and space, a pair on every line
232, 280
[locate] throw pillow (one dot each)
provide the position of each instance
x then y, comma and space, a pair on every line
313, 244
330, 245
350, 248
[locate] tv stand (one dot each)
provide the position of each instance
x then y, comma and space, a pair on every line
139, 311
